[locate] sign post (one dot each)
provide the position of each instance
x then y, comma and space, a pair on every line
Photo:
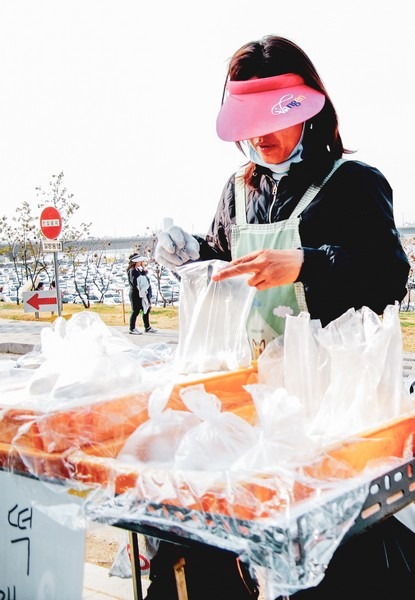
51, 226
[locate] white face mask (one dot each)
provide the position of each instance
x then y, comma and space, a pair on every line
279, 169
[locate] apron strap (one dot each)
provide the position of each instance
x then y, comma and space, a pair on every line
313, 190
240, 197
308, 196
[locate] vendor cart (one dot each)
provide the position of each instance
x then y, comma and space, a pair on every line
268, 519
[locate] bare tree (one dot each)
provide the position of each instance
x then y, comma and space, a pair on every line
24, 247
23, 242
90, 267
58, 196
84, 253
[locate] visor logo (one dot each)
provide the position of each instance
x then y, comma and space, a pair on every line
285, 103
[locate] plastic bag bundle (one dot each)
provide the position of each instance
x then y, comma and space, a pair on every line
156, 440
212, 317
83, 358
218, 440
81, 361
347, 375
281, 430
363, 355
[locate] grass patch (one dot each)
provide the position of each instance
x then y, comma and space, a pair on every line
162, 318
408, 330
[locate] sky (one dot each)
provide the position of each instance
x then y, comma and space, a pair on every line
122, 97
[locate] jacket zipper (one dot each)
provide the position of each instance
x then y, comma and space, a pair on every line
274, 197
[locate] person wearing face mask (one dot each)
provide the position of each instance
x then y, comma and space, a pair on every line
316, 232
140, 293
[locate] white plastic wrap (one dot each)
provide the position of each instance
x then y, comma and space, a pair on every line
280, 487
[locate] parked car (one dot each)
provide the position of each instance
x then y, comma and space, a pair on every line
67, 298
92, 299
170, 294
113, 300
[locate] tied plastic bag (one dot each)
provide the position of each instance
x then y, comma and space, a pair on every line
122, 564
212, 316
218, 440
281, 430
156, 440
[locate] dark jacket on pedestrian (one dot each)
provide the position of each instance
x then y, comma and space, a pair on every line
133, 275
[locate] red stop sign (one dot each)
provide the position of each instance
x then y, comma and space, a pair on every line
50, 222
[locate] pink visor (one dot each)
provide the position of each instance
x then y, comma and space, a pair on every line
259, 106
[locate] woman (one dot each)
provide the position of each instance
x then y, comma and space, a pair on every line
349, 250
140, 293
317, 233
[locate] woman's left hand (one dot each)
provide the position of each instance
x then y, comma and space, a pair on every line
269, 268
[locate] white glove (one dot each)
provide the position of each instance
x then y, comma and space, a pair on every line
175, 247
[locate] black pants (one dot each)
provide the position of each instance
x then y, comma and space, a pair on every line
136, 308
376, 565
211, 574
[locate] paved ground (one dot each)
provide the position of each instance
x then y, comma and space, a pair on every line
21, 337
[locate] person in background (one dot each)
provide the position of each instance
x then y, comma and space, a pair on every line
52, 287
316, 233
2, 296
40, 286
140, 293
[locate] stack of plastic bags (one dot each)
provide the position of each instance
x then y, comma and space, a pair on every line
347, 375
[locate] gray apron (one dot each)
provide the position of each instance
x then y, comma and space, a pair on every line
270, 307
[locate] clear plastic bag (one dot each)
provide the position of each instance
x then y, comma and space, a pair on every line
218, 440
155, 441
348, 375
281, 430
212, 317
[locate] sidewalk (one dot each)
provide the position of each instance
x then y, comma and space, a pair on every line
98, 585
21, 337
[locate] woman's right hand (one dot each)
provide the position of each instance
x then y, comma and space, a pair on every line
268, 268
175, 247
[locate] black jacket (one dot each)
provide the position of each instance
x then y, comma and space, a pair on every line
352, 252
133, 275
